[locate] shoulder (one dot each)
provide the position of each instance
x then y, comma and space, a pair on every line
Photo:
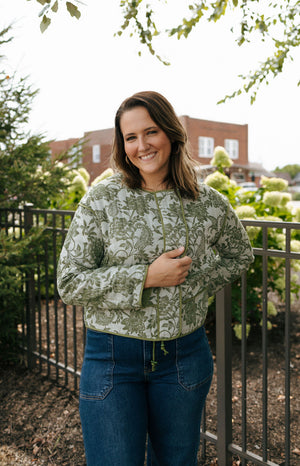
209, 194
109, 191
105, 189
110, 183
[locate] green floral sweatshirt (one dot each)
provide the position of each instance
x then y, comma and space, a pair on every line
117, 232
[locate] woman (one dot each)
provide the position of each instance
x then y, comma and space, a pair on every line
145, 250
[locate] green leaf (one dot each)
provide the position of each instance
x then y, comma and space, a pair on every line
73, 10
235, 2
55, 7
45, 23
42, 2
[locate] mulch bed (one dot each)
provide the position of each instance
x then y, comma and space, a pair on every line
40, 421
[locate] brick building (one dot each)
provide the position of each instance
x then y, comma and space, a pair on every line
204, 136
95, 152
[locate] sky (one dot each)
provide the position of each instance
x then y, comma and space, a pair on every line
83, 73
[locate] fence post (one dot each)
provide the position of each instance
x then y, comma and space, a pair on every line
30, 297
224, 375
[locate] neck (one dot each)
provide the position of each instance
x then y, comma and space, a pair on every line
154, 185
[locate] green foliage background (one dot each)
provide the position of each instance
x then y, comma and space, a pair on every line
270, 202
28, 175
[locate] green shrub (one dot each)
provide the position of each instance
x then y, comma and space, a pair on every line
12, 303
17, 260
296, 196
269, 202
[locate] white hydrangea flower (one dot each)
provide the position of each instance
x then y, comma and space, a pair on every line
271, 309
106, 174
238, 330
280, 283
252, 231
233, 183
269, 324
85, 174
297, 214
244, 195
295, 245
221, 158
273, 184
272, 198
281, 240
245, 211
295, 264
78, 184
286, 197
217, 180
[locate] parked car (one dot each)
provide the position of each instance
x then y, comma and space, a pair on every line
249, 186
295, 188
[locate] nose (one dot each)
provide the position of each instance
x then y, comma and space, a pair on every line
143, 145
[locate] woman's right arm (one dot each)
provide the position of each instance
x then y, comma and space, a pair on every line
82, 278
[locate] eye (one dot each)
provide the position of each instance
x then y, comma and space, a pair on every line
129, 138
152, 131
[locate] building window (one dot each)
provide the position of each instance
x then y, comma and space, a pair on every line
238, 177
232, 147
96, 153
206, 146
73, 159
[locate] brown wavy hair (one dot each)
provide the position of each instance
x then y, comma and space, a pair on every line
182, 167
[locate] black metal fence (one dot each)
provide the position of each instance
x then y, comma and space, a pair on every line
53, 338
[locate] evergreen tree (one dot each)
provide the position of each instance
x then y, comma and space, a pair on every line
28, 174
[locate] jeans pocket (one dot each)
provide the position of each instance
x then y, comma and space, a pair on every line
194, 360
96, 380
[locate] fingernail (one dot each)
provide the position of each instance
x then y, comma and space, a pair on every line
181, 248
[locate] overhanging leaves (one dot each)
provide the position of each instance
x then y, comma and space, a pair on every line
45, 23
276, 20
73, 10
51, 6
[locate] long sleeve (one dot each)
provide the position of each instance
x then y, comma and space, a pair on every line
234, 253
83, 278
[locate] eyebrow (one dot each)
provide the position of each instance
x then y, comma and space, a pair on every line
146, 129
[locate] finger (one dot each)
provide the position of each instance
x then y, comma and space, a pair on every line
175, 252
184, 262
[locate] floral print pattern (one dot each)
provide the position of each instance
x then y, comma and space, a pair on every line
117, 232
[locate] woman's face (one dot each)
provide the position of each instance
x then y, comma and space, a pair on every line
146, 145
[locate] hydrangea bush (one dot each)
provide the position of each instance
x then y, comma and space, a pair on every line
270, 202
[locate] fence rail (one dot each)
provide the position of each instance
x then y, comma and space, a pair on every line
53, 334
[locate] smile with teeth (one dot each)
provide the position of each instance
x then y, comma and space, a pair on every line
149, 156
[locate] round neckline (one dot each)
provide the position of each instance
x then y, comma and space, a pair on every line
158, 191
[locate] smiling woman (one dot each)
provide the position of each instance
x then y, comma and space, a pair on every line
147, 147
148, 118
146, 248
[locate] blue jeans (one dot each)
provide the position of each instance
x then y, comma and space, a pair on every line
122, 399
